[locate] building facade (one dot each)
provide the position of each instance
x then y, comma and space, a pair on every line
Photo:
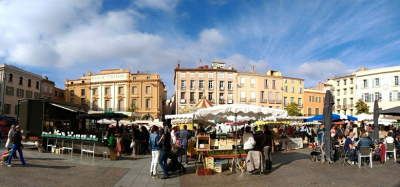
59, 94
380, 84
17, 84
293, 91
118, 90
216, 83
260, 89
47, 90
344, 91
313, 102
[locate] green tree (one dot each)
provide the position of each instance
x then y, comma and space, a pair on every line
293, 109
362, 107
132, 109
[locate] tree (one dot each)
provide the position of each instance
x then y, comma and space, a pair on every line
132, 109
293, 109
362, 107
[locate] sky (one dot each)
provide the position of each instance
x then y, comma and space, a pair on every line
313, 40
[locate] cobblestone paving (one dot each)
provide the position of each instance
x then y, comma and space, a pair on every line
294, 169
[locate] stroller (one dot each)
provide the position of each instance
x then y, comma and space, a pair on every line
173, 164
4, 157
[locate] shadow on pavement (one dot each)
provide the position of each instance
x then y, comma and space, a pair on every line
43, 158
44, 166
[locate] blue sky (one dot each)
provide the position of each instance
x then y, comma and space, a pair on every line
313, 40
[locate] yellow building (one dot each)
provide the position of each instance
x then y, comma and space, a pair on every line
293, 91
117, 90
260, 89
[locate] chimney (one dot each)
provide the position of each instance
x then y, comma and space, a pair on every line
200, 63
252, 69
206, 67
179, 64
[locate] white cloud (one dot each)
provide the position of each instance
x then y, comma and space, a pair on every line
166, 5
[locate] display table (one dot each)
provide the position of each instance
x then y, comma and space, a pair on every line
294, 143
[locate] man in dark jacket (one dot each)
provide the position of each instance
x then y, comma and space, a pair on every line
17, 146
268, 145
183, 143
166, 147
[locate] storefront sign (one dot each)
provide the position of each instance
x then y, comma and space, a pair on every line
109, 77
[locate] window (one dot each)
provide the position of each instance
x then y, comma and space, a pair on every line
344, 82
183, 84
351, 90
82, 92
242, 96
278, 96
210, 96
309, 111
221, 75
316, 111
338, 92
378, 96
20, 80
55, 93
45, 88
344, 91
292, 81
229, 85
252, 96
82, 101
210, 85
230, 76
192, 75
351, 81
210, 75
95, 105
107, 91
309, 98
37, 84
7, 109
338, 83
183, 95
365, 83
396, 80
120, 105
107, 105
201, 95
221, 96
266, 83
134, 78
241, 81
72, 93
94, 91
230, 96
36, 95
261, 96
221, 84
134, 103
134, 90
273, 84
201, 75
72, 100
148, 91
29, 83
285, 88
191, 96
10, 77
183, 75
317, 99
252, 82
299, 90
299, 102
299, 82
20, 92
292, 100
120, 90
377, 84
285, 101
50, 90
201, 84
270, 96
192, 85
285, 80
292, 89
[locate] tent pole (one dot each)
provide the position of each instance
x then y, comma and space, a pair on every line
235, 161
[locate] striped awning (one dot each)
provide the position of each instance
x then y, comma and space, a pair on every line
203, 103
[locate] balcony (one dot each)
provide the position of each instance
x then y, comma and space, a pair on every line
192, 101
119, 109
201, 88
242, 99
192, 88
210, 88
252, 99
278, 101
221, 101
212, 101
230, 101
350, 106
183, 101
285, 104
241, 85
183, 87
221, 88
262, 100
271, 101
265, 86
230, 89
252, 85
300, 105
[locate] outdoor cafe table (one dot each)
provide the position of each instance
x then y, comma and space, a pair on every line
78, 141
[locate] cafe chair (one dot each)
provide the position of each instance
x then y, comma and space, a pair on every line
390, 148
51, 145
346, 156
365, 152
89, 150
70, 149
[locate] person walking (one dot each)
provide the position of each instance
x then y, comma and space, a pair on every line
165, 141
183, 142
17, 146
10, 140
268, 144
155, 152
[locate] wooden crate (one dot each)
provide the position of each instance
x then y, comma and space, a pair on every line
203, 142
217, 169
201, 171
209, 162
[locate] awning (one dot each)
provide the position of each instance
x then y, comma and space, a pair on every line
69, 108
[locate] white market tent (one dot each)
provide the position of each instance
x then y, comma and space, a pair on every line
370, 119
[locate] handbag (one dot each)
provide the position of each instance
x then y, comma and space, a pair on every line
132, 144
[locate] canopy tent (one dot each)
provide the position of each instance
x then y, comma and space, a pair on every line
334, 117
105, 121
203, 103
365, 117
181, 116
395, 111
148, 123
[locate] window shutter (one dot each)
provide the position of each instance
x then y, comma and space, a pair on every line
7, 90
22, 93
12, 91
27, 94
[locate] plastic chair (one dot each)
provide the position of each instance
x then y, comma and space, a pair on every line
51, 145
390, 148
365, 152
88, 151
70, 149
346, 156
105, 154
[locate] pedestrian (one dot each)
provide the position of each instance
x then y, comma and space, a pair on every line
320, 133
268, 144
136, 140
10, 140
17, 146
165, 141
183, 142
155, 152
119, 146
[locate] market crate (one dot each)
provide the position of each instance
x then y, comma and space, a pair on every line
209, 162
217, 169
201, 171
217, 164
203, 142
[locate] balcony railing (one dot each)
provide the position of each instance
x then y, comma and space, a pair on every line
230, 101
278, 101
266, 86
209, 88
212, 101
230, 89
119, 109
183, 100
300, 105
192, 101
183, 87
262, 100
242, 99
201, 88
252, 99
192, 88
271, 101
221, 101
252, 85
221, 88
350, 106
241, 84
